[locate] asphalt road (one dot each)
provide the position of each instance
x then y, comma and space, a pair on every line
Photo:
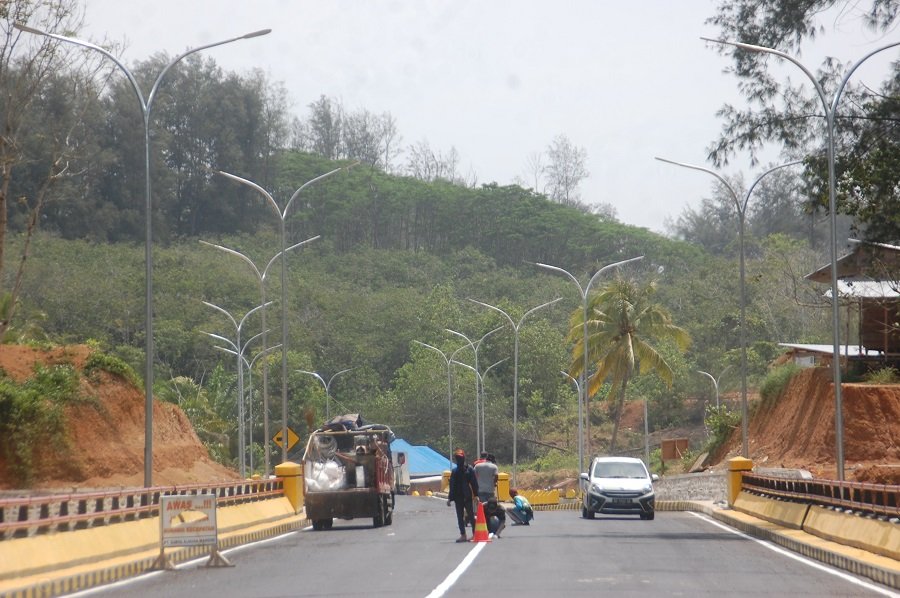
677, 554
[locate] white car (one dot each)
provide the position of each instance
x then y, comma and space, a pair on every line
618, 486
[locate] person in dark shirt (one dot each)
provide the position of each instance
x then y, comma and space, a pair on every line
464, 492
495, 516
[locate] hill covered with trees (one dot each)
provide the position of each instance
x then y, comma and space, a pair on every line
400, 251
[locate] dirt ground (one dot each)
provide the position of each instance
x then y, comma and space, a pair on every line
106, 444
106, 440
799, 430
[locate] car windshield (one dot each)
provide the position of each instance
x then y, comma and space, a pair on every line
619, 469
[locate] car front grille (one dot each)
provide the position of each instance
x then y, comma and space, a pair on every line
622, 494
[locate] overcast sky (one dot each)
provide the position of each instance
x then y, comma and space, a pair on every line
625, 80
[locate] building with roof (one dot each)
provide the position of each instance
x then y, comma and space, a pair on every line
869, 280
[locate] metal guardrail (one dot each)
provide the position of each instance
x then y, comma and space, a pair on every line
878, 499
22, 517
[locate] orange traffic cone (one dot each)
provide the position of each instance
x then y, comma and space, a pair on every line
481, 531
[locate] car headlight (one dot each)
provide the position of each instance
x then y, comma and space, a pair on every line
595, 489
647, 489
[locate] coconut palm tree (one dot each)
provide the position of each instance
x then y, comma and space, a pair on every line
623, 325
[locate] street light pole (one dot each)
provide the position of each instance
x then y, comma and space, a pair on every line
249, 385
484, 403
263, 353
146, 106
327, 386
582, 386
515, 328
741, 205
261, 277
282, 216
479, 379
479, 438
830, 110
240, 367
578, 391
715, 385
447, 361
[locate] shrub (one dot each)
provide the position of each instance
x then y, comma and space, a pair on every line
720, 421
32, 412
657, 464
687, 459
98, 360
886, 375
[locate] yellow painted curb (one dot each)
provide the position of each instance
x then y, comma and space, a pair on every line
873, 535
787, 514
70, 570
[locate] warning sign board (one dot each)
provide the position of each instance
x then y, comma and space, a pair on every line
188, 520
292, 438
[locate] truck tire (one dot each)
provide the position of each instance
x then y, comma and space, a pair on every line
378, 519
320, 524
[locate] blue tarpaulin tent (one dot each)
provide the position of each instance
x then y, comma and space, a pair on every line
423, 460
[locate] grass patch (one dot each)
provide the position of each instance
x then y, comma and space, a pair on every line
886, 375
776, 381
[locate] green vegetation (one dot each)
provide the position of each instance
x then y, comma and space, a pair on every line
775, 382
624, 325
657, 464
399, 254
98, 360
887, 375
31, 414
720, 422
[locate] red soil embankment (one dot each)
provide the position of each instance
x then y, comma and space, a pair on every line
798, 429
104, 438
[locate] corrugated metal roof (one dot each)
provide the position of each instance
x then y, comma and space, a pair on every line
423, 460
867, 261
850, 351
867, 289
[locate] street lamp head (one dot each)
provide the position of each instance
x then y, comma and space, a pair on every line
728, 42
257, 33
26, 28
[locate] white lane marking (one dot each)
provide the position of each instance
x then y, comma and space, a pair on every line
456, 573
800, 558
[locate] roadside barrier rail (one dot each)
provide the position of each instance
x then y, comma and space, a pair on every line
877, 499
28, 516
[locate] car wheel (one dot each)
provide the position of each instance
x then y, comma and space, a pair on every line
647, 516
587, 513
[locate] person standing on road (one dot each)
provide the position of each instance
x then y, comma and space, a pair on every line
464, 492
486, 472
